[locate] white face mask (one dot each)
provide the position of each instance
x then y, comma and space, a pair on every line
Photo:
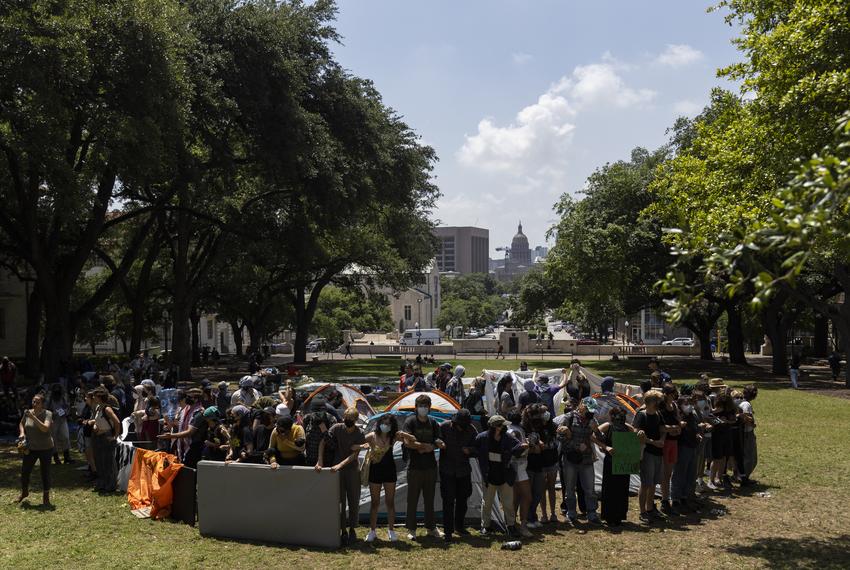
546, 416
702, 405
385, 428
687, 409
738, 401
422, 411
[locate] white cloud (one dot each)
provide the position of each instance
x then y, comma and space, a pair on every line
687, 107
534, 145
521, 58
678, 55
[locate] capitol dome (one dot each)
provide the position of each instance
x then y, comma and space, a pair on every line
520, 251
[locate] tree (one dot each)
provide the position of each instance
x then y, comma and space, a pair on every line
350, 309
474, 300
91, 95
608, 252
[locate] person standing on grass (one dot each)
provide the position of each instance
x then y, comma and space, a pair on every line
34, 435
615, 488
422, 466
455, 386
835, 365
722, 444
749, 450
382, 474
705, 417
648, 424
346, 439
685, 470
672, 427
577, 434
522, 484
60, 406
455, 471
794, 367
496, 449
106, 427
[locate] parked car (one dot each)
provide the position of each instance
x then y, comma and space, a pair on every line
680, 341
557, 328
316, 345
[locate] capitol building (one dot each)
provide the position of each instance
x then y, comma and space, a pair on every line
518, 258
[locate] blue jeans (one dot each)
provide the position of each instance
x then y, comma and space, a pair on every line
585, 473
536, 479
684, 473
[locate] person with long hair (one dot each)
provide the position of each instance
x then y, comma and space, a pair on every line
615, 488
36, 441
382, 474
60, 406
722, 444
504, 395
106, 427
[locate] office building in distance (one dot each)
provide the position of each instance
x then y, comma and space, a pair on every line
463, 250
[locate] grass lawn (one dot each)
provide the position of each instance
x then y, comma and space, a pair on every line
804, 466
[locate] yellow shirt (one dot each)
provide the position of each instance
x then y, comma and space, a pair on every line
286, 445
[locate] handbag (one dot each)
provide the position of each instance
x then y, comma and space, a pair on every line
364, 468
23, 446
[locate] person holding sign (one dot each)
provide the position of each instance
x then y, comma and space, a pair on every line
622, 457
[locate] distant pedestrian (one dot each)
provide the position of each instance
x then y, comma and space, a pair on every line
794, 369
8, 371
835, 365
348, 350
501, 352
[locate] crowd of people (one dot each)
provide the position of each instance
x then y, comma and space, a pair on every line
696, 439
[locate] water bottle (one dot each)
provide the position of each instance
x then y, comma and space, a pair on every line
511, 545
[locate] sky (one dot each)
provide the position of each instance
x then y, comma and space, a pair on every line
523, 99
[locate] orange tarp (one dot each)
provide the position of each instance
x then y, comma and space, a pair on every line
150, 482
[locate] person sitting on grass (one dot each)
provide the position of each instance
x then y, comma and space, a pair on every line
647, 422
346, 439
286, 444
496, 449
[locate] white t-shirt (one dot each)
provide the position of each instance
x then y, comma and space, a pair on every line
747, 408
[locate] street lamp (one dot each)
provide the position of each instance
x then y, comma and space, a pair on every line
418, 333
625, 333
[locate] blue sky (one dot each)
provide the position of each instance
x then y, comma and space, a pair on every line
522, 100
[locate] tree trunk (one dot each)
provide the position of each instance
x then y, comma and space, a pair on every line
704, 337
820, 348
137, 330
58, 344
237, 336
252, 336
31, 350
776, 329
302, 329
735, 335
180, 341
195, 319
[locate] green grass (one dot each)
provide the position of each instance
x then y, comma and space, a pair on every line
803, 464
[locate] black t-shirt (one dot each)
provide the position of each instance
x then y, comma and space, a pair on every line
199, 422
651, 425
425, 432
668, 418
496, 472
689, 434
262, 435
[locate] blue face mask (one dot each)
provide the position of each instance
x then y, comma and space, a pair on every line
385, 428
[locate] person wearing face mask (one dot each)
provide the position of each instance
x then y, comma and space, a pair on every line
59, 405
422, 466
615, 488
347, 440
547, 391
496, 449
672, 426
522, 484
542, 463
706, 419
454, 388
382, 474
684, 472
455, 471
578, 436
749, 458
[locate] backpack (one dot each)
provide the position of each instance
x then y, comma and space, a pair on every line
472, 400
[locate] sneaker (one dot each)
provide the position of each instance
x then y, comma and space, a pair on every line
447, 537
553, 518
411, 535
512, 532
352, 536
435, 533
712, 486
572, 520
656, 515
524, 532
668, 509
485, 531
462, 531
534, 524
593, 518
371, 536
645, 518
392, 536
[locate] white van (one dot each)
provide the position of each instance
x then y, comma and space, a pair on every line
419, 337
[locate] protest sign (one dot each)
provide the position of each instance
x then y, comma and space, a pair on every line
626, 457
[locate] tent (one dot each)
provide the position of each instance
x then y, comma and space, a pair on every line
441, 402
351, 396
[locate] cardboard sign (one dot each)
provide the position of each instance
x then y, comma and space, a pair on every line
626, 457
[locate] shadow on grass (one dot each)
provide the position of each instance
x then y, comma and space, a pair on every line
63, 476
802, 552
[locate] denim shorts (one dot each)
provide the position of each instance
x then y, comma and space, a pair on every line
650, 469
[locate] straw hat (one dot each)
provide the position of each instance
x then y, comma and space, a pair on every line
716, 383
